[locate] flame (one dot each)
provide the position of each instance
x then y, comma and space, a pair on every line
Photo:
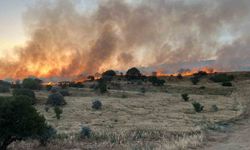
208, 70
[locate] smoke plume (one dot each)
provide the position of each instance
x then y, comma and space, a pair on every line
118, 34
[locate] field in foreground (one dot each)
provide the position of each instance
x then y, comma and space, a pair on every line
158, 119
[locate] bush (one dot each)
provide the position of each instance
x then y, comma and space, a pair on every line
202, 87
97, 105
19, 120
4, 89
33, 84
64, 92
25, 92
214, 108
58, 111
195, 80
110, 73
222, 78
185, 97
48, 133
102, 86
227, 84
143, 90
156, 82
179, 76
48, 87
200, 74
198, 107
85, 132
133, 74
56, 99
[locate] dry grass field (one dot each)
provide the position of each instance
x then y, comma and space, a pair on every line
130, 119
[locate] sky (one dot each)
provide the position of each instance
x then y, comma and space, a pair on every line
12, 32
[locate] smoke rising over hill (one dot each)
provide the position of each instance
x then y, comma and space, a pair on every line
66, 42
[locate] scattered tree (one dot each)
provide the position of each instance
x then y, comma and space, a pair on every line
85, 132
19, 120
58, 111
32, 83
102, 86
97, 105
222, 78
195, 80
56, 99
25, 92
198, 107
185, 97
133, 74
227, 84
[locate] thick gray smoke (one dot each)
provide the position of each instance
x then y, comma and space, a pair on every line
121, 33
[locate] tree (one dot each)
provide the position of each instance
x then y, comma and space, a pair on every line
32, 83
25, 92
19, 120
111, 73
195, 80
156, 82
102, 86
133, 74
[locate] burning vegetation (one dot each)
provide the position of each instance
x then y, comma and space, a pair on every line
66, 43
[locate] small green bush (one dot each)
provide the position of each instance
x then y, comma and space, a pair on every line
222, 78
85, 132
185, 97
56, 99
48, 87
198, 107
102, 86
25, 92
58, 111
195, 80
32, 83
143, 90
48, 134
4, 89
65, 92
214, 108
97, 105
227, 84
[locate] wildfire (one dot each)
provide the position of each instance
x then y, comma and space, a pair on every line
208, 70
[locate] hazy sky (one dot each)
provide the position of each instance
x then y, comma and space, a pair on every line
12, 31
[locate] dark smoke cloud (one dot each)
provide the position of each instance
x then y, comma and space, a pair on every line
120, 34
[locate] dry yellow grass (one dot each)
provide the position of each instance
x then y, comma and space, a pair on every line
154, 120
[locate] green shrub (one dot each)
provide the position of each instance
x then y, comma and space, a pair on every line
56, 99
102, 86
97, 105
48, 87
143, 90
85, 132
19, 120
214, 108
33, 84
222, 78
48, 134
58, 111
156, 82
25, 92
227, 84
202, 87
185, 97
198, 107
64, 92
195, 80
4, 89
